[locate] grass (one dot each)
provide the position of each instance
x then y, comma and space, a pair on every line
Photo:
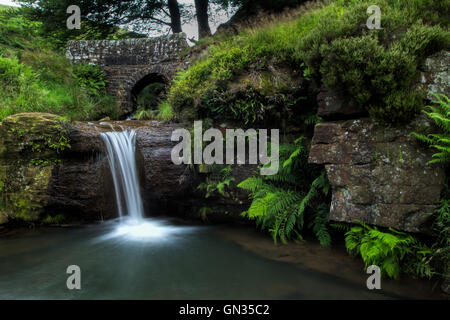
327, 39
36, 77
164, 112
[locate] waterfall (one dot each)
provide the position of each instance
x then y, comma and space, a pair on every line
121, 148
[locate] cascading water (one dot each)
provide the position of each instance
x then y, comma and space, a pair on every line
121, 148
121, 151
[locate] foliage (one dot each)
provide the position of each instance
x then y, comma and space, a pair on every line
91, 77
58, 219
217, 182
440, 114
98, 18
375, 68
441, 226
384, 249
399, 253
282, 202
164, 112
151, 96
35, 78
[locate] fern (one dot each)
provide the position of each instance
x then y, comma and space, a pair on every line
280, 202
440, 114
218, 182
319, 226
384, 249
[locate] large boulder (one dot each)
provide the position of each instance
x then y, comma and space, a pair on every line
30, 147
379, 174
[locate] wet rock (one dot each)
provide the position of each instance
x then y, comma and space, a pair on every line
76, 181
165, 184
379, 174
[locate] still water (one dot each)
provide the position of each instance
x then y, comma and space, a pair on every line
155, 260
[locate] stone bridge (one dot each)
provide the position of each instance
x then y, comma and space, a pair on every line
132, 64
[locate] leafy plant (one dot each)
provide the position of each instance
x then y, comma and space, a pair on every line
377, 69
281, 202
384, 249
91, 77
440, 114
217, 182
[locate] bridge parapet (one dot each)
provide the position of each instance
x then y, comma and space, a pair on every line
143, 51
129, 62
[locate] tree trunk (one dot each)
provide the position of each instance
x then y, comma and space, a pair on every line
201, 6
175, 17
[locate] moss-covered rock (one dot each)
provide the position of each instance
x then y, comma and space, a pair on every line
32, 135
30, 147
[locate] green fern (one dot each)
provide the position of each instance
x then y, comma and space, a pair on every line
384, 249
281, 201
440, 114
217, 182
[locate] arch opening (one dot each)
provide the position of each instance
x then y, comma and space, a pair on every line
147, 95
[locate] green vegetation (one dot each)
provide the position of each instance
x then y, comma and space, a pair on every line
36, 78
398, 253
282, 203
217, 182
326, 40
384, 249
58, 219
163, 112
152, 105
440, 114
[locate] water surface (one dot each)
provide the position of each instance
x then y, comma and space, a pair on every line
157, 260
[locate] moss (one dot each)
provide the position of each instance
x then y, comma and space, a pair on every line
32, 145
330, 44
33, 135
25, 195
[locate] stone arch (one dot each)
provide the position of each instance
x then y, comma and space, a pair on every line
126, 62
138, 80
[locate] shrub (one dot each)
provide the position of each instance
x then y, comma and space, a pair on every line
91, 77
35, 78
376, 68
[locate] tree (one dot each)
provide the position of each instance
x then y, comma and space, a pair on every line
201, 7
175, 16
101, 16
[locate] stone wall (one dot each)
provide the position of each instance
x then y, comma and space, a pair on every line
379, 173
126, 62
